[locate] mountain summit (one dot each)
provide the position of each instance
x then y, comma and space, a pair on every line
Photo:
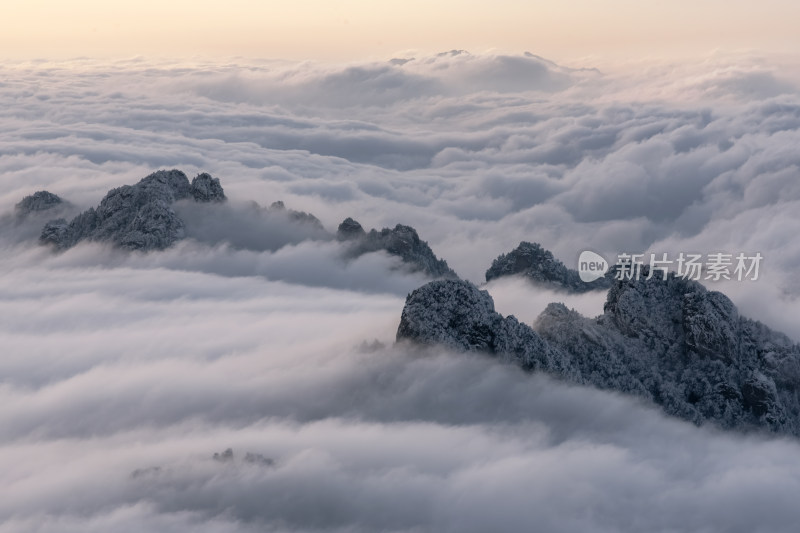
672, 342
540, 267
136, 217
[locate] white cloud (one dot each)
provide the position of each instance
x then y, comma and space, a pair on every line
257, 335
165, 367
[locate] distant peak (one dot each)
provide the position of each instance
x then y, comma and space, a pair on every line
38, 201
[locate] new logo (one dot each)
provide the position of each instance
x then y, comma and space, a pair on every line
591, 266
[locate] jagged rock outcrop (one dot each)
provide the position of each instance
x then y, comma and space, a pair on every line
540, 267
401, 241
207, 189
670, 341
687, 349
296, 216
250, 458
456, 314
349, 230
135, 217
25, 222
37, 202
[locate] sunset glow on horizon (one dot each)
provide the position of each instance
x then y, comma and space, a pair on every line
350, 29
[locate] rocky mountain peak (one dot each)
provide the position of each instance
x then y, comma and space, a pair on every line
459, 316
401, 241
670, 341
295, 216
540, 266
349, 229
37, 202
135, 217
206, 188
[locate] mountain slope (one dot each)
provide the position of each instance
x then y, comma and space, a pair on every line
670, 341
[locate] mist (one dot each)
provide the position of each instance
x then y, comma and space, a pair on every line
123, 373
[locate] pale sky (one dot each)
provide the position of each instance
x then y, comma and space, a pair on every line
352, 29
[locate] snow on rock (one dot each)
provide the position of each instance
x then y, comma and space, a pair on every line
350, 229
135, 217
539, 266
37, 202
456, 314
401, 241
670, 341
143, 217
689, 350
207, 189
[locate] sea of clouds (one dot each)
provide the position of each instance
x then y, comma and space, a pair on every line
122, 374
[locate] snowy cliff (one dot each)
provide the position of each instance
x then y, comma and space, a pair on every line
672, 342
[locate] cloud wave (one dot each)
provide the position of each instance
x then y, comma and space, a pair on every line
269, 342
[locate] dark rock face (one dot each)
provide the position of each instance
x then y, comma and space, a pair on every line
29, 215
37, 202
455, 314
670, 341
541, 267
401, 241
250, 458
709, 321
207, 189
349, 229
451, 313
687, 349
224, 457
296, 216
135, 217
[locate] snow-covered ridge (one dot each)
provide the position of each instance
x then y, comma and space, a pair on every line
401, 241
540, 267
145, 217
136, 217
672, 342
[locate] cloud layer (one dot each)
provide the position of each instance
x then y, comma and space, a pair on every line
122, 374
111, 419
682, 158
